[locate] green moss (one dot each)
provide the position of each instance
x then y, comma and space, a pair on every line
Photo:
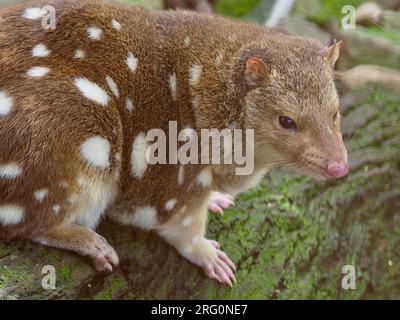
376, 31
236, 8
113, 284
12, 281
328, 9
4, 250
64, 273
325, 10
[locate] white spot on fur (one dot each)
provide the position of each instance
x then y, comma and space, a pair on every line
170, 204
92, 91
113, 86
143, 217
132, 62
63, 184
40, 51
82, 181
118, 157
204, 179
186, 41
172, 86
73, 199
195, 102
116, 25
181, 175
187, 222
96, 151
10, 171
33, 13
40, 194
95, 33
6, 103
37, 72
79, 54
195, 75
138, 157
129, 104
56, 208
11, 214
117, 173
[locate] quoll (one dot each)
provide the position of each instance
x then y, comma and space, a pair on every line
77, 101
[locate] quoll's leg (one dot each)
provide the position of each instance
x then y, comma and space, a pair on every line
218, 202
83, 241
187, 234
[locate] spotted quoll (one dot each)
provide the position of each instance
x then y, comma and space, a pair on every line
77, 100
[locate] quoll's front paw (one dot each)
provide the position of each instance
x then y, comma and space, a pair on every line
214, 262
103, 256
220, 268
219, 202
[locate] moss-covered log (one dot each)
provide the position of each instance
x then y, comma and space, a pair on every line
290, 236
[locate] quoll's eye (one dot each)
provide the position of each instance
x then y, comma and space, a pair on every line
287, 123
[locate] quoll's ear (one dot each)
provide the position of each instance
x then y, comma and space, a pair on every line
332, 52
257, 73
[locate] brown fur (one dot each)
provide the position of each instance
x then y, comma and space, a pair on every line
50, 119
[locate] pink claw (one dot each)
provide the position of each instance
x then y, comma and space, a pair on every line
214, 262
215, 244
220, 201
221, 268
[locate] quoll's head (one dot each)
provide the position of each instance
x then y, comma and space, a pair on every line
291, 102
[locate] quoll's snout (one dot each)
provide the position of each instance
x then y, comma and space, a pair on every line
337, 169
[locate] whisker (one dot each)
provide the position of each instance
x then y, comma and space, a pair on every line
347, 137
289, 165
280, 162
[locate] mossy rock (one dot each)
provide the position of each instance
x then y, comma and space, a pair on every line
377, 44
323, 11
370, 46
290, 236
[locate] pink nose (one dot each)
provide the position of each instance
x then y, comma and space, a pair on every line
337, 169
